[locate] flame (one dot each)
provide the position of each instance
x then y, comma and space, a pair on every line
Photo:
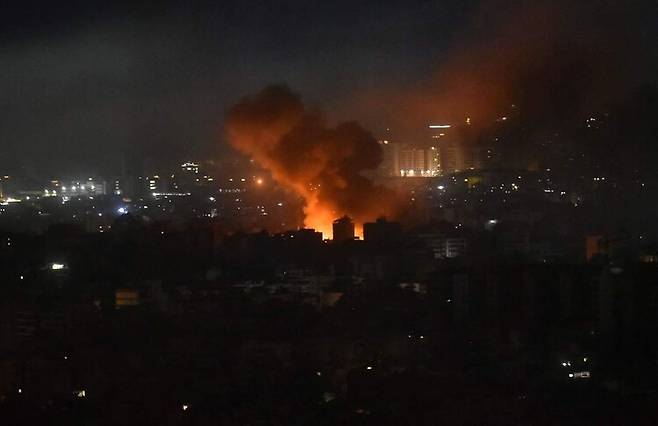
321, 219
318, 217
320, 163
358, 230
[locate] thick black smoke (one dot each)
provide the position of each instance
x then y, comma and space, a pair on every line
323, 164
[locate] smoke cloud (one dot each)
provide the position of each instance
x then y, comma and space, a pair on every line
553, 60
322, 164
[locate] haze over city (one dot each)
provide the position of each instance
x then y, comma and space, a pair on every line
294, 212
95, 85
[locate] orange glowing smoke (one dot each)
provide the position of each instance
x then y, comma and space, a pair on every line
320, 163
552, 59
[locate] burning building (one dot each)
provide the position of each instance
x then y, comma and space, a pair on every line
343, 229
320, 163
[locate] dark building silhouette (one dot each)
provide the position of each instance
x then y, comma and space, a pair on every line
382, 232
343, 229
304, 236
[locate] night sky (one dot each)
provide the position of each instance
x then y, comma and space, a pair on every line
88, 86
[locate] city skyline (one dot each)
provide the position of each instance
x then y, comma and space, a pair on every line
291, 212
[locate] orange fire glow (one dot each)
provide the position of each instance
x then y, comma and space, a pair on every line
321, 164
321, 219
318, 217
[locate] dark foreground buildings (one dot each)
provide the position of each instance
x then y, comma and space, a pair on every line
147, 324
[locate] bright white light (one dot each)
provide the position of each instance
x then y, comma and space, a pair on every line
185, 407
564, 364
368, 368
57, 266
571, 375
212, 198
20, 390
318, 373
439, 126
122, 210
422, 337
440, 187
22, 277
81, 393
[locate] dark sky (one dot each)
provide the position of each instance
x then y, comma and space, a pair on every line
84, 84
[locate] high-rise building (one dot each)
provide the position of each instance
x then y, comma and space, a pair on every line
190, 179
457, 151
452, 159
390, 165
155, 184
442, 137
409, 160
117, 190
382, 232
190, 167
88, 187
416, 161
343, 229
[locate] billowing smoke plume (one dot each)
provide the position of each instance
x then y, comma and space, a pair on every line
320, 163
